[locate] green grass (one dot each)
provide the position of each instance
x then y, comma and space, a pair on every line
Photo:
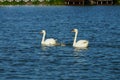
36, 2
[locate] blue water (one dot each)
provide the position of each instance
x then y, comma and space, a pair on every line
23, 58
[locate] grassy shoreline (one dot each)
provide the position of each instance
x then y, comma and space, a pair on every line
36, 2
116, 2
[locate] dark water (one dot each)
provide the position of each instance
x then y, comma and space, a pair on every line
23, 58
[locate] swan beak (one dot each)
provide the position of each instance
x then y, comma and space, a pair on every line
72, 30
40, 32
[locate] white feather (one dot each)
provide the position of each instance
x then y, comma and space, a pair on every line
47, 42
80, 43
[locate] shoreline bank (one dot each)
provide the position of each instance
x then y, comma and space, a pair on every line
37, 3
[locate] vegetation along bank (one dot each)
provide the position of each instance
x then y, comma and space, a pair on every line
60, 2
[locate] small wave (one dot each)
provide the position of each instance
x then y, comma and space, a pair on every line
104, 45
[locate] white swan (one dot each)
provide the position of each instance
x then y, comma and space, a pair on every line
47, 42
80, 43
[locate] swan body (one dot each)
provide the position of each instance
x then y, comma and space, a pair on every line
80, 43
47, 42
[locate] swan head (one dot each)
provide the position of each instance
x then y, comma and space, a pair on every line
42, 32
75, 30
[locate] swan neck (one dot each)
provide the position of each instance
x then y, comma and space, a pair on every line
76, 33
43, 38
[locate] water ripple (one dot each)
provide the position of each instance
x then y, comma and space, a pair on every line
23, 58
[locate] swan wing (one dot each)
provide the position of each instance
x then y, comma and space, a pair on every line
50, 41
81, 43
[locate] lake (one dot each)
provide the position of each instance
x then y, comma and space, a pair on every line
23, 58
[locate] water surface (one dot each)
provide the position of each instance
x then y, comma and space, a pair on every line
23, 58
